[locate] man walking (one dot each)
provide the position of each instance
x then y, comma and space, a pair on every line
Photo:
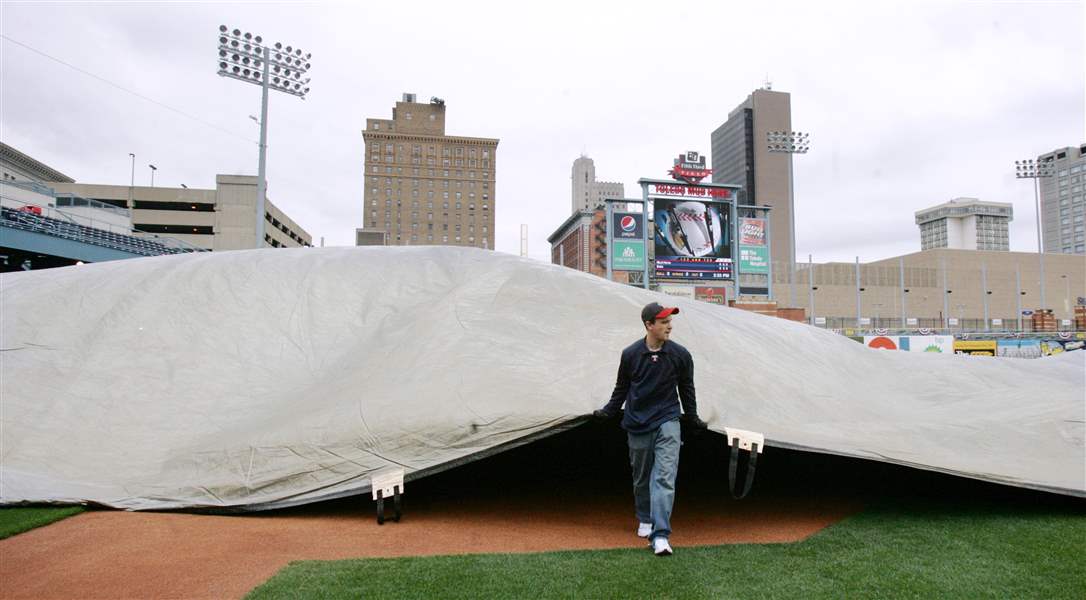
650, 373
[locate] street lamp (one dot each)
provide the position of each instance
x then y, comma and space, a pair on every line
245, 57
153, 169
1027, 169
790, 142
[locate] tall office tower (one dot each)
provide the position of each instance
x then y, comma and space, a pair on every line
423, 187
1062, 205
966, 224
740, 156
588, 193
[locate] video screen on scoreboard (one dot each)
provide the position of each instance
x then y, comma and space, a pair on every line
692, 239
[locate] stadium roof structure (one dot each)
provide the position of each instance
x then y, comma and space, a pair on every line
258, 379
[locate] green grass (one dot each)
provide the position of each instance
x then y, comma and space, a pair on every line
15, 520
915, 548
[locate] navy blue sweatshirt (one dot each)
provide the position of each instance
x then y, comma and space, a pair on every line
647, 383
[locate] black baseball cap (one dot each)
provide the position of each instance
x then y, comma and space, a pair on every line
654, 311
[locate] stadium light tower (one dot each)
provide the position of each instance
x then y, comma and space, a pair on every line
1027, 169
790, 142
245, 57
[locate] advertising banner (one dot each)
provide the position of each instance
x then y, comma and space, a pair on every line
883, 342
692, 239
1018, 348
677, 289
753, 251
628, 226
943, 344
628, 256
711, 294
975, 347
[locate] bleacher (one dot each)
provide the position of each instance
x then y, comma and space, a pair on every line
30, 221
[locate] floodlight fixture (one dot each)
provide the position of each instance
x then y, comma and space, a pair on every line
239, 51
1036, 170
245, 57
789, 142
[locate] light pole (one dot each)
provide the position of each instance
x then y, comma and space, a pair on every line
153, 169
810, 287
244, 57
132, 181
859, 289
1027, 169
790, 142
984, 292
904, 290
1018, 293
1066, 293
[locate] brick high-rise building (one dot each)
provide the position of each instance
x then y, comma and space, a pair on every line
424, 187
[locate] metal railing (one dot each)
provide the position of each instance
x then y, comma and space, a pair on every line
93, 231
28, 220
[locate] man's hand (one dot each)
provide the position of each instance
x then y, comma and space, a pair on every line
694, 424
603, 415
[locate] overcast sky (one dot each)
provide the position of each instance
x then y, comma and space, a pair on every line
908, 104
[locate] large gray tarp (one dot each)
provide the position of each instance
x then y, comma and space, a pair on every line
256, 379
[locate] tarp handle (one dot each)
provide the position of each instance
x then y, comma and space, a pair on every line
396, 504
733, 467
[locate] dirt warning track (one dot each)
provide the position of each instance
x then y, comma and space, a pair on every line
114, 554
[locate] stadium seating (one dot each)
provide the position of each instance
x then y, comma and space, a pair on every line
30, 221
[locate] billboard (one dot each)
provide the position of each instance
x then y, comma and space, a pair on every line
627, 226
941, 344
711, 294
676, 289
975, 347
627, 242
753, 251
628, 255
692, 239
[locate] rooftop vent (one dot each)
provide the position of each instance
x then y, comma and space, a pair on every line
408, 97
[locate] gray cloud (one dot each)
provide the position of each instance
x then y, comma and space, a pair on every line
908, 104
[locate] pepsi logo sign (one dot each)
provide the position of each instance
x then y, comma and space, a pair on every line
628, 223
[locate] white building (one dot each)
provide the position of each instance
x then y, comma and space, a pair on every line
589, 193
966, 224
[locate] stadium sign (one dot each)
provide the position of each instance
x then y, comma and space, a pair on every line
690, 168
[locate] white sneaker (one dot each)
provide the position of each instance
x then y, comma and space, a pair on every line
644, 529
660, 547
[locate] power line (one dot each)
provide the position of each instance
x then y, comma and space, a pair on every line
124, 89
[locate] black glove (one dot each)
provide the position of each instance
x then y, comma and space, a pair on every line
694, 424
602, 415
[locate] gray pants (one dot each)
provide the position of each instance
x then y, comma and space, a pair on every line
654, 458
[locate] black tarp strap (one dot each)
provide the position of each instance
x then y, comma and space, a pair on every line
397, 505
733, 467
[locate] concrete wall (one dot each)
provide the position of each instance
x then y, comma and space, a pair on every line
1065, 277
